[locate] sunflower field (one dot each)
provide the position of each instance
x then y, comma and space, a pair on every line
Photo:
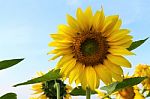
91, 54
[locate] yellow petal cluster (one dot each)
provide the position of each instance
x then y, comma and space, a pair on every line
143, 71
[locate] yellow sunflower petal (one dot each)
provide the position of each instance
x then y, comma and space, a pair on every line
119, 60
117, 35
113, 26
98, 81
76, 71
114, 29
57, 55
91, 77
138, 95
122, 41
33, 98
77, 81
64, 51
39, 74
54, 51
60, 52
109, 23
120, 51
42, 97
103, 74
60, 36
100, 93
89, 15
67, 30
124, 45
68, 66
98, 20
117, 77
113, 67
36, 86
127, 44
83, 79
60, 44
118, 25
88, 12
63, 60
82, 19
38, 91
72, 22
67, 96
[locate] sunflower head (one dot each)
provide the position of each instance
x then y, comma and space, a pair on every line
47, 90
129, 93
91, 47
132, 92
143, 71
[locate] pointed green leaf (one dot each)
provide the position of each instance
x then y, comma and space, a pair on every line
110, 88
116, 86
51, 75
136, 44
8, 63
9, 96
78, 91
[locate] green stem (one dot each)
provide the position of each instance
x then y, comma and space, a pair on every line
58, 89
88, 93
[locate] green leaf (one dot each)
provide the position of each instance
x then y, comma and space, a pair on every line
136, 44
51, 75
116, 86
8, 63
110, 88
78, 91
9, 96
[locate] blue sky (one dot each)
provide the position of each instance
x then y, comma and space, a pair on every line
25, 26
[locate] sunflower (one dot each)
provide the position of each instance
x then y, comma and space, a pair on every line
132, 92
129, 93
143, 71
126, 93
91, 48
46, 90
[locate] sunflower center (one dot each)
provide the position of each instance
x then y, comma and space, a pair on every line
127, 93
90, 48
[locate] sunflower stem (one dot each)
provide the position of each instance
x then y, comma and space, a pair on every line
88, 93
58, 89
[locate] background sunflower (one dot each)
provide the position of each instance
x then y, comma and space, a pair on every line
47, 89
